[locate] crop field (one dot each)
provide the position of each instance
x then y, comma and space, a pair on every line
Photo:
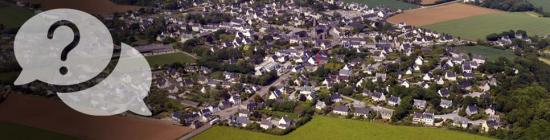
478, 27
447, 12
327, 128
166, 59
54, 116
12, 16
545, 4
393, 4
492, 54
90, 6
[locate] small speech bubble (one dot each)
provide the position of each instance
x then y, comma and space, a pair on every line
67, 47
124, 89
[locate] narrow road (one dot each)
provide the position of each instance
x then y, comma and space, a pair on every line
224, 114
196, 132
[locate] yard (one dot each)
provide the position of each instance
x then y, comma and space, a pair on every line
13, 16
166, 59
327, 128
10, 131
492, 54
478, 27
393, 4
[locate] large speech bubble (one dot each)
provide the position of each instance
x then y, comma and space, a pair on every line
39, 45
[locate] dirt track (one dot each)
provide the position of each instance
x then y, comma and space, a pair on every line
55, 116
90, 6
445, 12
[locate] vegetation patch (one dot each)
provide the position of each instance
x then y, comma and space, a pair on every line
167, 59
328, 128
492, 54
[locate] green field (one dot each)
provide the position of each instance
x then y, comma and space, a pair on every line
9, 131
13, 16
327, 128
478, 27
166, 59
492, 54
544, 4
393, 4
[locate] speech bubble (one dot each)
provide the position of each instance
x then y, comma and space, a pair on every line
40, 43
69, 47
124, 89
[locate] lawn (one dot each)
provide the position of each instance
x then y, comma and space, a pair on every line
393, 4
545, 4
327, 128
478, 27
166, 59
13, 16
9, 131
492, 54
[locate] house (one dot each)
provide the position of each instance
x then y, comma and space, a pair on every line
419, 104
394, 100
491, 124
320, 105
378, 96
341, 110
239, 121
423, 118
446, 103
361, 112
266, 124
275, 94
460, 122
451, 76
471, 110
479, 59
428, 118
444, 92
244, 113
380, 77
284, 123
386, 113
235, 99
335, 97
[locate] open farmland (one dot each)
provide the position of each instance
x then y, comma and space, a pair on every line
436, 14
544, 4
90, 6
393, 4
479, 27
51, 115
327, 128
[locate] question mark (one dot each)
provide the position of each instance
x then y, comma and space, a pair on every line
63, 70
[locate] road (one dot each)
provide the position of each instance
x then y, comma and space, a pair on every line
454, 114
224, 114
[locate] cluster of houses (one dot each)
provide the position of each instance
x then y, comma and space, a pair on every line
309, 38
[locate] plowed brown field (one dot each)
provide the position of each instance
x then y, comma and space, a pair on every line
55, 116
446, 12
